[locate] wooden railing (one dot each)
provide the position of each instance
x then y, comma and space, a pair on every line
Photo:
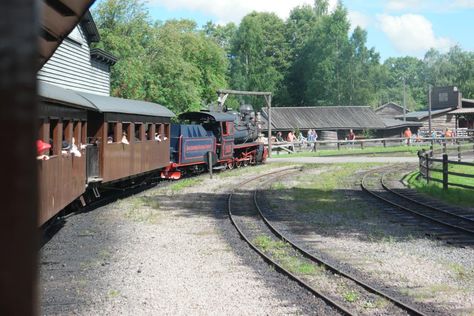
430, 161
298, 146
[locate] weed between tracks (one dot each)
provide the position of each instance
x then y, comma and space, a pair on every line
281, 252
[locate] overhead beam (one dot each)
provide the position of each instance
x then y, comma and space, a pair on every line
254, 93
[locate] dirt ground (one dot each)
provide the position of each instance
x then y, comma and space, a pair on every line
172, 250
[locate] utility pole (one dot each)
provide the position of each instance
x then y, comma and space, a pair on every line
429, 109
404, 101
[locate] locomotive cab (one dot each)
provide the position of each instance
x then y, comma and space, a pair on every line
216, 124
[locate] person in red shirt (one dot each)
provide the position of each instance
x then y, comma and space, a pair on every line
407, 134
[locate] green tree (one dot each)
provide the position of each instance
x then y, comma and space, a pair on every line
259, 54
171, 63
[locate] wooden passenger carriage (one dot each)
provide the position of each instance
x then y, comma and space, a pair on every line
97, 124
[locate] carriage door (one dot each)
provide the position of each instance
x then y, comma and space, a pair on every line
227, 140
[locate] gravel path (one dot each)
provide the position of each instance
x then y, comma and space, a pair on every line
164, 252
368, 242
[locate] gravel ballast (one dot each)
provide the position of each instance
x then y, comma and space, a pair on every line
167, 252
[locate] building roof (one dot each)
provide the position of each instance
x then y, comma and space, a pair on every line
58, 18
103, 56
470, 102
463, 111
100, 103
324, 117
118, 105
420, 115
215, 116
90, 28
392, 105
394, 123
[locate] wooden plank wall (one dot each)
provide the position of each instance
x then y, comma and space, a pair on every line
71, 67
440, 122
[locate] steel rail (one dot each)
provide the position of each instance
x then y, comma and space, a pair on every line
270, 260
455, 227
411, 310
460, 217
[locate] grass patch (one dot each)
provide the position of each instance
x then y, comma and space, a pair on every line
281, 252
351, 296
185, 183
459, 196
251, 170
143, 209
318, 192
356, 150
460, 272
113, 293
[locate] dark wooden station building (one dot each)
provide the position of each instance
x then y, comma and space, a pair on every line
335, 121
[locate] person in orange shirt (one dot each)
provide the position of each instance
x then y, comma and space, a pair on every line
407, 134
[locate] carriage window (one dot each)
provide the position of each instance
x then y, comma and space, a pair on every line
83, 133
112, 136
137, 133
227, 128
77, 133
150, 131
43, 130
67, 131
126, 132
159, 132
55, 137
167, 130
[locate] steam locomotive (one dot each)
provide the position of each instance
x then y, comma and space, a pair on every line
214, 139
118, 141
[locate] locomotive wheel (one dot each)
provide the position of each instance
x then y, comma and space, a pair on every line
238, 164
230, 165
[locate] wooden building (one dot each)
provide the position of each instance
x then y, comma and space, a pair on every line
465, 115
76, 66
337, 119
390, 110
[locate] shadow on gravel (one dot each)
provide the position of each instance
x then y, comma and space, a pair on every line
73, 264
341, 214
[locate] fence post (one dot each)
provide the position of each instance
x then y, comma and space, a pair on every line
459, 150
315, 146
427, 162
361, 144
420, 162
444, 147
445, 171
384, 143
338, 145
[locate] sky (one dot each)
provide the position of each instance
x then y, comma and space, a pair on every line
395, 27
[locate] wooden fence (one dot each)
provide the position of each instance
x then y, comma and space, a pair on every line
428, 163
299, 146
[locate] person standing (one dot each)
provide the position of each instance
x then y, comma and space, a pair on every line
407, 134
351, 137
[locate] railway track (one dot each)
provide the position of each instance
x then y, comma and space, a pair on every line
246, 215
452, 224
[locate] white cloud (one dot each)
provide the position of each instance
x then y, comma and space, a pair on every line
412, 33
358, 19
398, 5
440, 6
233, 11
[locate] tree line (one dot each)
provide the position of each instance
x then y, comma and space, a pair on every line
310, 59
